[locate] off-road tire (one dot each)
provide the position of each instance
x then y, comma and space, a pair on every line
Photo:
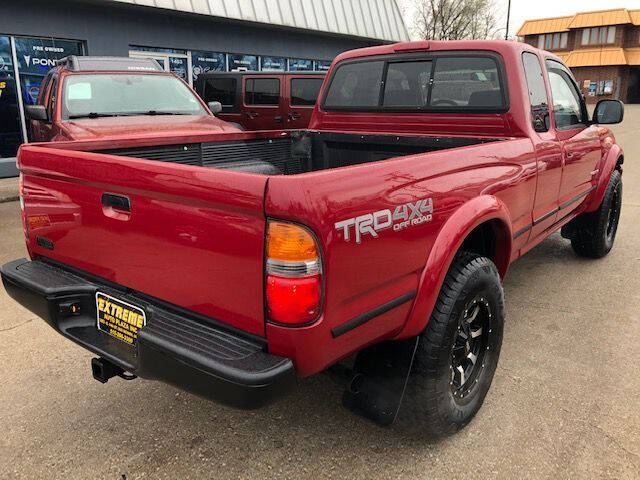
592, 234
430, 402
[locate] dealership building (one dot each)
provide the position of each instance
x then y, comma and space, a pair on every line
601, 48
187, 37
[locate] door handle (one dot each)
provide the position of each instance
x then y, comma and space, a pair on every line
252, 114
278, 118
117, 202
294, 116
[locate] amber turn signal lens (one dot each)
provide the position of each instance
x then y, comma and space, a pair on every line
289, 242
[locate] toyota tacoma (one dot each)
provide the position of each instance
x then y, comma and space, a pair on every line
232, 263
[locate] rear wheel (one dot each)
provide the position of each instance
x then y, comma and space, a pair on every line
458, 351
592, 234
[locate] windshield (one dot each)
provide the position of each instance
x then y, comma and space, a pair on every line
115, 94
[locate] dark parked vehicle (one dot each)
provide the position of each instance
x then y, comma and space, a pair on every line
263, 100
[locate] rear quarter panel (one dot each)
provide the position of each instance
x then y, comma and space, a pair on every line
361, 277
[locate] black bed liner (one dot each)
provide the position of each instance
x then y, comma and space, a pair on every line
302, 151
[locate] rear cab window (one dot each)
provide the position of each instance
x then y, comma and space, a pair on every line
447, 81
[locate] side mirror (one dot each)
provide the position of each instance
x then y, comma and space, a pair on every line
608, 112
215, 107
540, 118
36, 112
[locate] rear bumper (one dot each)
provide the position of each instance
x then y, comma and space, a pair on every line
173, 347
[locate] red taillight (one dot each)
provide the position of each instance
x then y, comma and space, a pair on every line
293, 268
293, 300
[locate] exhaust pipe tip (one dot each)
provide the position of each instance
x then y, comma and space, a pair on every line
103, 370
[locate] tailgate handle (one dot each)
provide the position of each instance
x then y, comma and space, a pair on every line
118, 202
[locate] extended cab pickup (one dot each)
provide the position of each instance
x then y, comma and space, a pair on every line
230, 264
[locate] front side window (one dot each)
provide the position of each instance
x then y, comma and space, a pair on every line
115, 94
51, 108
567, 106
42, 94
464, 83
221, 90
262, 91
304, 91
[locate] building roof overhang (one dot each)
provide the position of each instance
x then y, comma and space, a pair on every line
370, 19
618, 16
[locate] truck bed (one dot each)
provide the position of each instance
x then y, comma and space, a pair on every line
299, 152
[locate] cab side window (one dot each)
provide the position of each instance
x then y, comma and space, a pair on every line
567, 103
44, 88
537, 92
51, 107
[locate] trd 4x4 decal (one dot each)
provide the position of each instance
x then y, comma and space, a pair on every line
404, 216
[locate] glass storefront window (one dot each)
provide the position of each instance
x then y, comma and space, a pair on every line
242, 62
180, 67
300, 65
273, 64
322, 65
203, 62
35, 57
10, 127
158, 49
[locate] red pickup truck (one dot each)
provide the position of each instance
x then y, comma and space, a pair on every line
83, 98
230, 264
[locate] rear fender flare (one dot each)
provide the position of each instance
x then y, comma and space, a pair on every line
449, 240
607, 167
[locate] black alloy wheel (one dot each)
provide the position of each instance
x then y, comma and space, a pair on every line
469, 347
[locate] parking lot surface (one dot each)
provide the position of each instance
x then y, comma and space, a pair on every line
565, 401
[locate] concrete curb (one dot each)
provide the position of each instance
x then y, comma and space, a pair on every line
8, 190
9, 199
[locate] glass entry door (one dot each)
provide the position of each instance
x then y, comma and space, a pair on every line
10, 126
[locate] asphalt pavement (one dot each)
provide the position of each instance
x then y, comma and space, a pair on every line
565, 401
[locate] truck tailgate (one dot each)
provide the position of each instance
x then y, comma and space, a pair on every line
192, 237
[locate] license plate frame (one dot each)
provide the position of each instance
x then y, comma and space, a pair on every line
118, 318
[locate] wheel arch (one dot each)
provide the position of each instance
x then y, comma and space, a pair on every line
483, 226
613, 161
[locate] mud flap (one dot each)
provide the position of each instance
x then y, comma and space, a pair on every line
380, 376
